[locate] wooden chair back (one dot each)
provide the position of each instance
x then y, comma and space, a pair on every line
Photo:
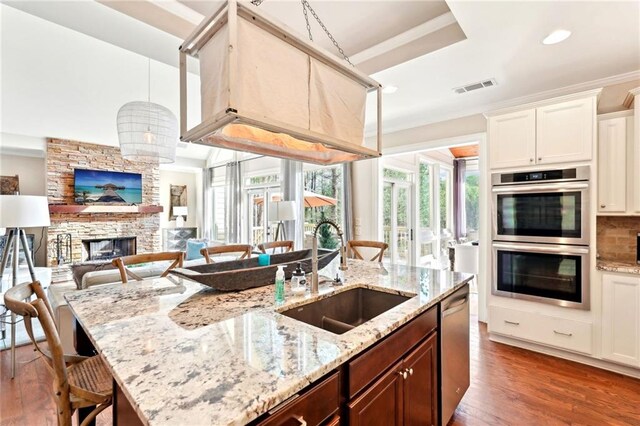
352, 249
284, 246
244, 251
16, 300
176, 257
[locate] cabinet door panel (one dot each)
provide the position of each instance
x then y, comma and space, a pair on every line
565, 131
380, 404
612, 165
421, 385
621, 319
512, 139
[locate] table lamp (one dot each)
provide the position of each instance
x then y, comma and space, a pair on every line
179, 212
16, 213
279, 211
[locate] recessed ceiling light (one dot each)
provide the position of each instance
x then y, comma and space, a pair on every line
556, 37
389, 89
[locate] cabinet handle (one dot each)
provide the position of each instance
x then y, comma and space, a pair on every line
602, 206
403, 374
563, 334
411, 371
300, 419
511, 322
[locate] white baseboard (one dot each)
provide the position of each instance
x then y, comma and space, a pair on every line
558, 353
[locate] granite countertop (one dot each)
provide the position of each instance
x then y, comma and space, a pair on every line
621, 267
184, 353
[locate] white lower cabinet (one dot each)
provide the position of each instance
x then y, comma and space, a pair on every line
548, 330
621, 319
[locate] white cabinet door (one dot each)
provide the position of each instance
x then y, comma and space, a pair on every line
512, 139
621, 319
565, 131
612, 165
634, 131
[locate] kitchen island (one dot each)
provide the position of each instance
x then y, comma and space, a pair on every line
182, 353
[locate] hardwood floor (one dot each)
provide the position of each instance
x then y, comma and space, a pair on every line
512, 386
509, 386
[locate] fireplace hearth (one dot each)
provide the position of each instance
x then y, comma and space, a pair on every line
108, 248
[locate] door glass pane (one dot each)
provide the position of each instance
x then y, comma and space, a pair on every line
256, 217
322, 200
396, 174
540, 274
444, 199
386, 219
403, 229
426, 231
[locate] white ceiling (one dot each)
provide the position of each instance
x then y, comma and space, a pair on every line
503, 42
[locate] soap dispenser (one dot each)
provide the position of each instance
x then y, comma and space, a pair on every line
280, 284
298, 280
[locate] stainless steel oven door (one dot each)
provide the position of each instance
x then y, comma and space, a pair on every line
552, 274
556, 213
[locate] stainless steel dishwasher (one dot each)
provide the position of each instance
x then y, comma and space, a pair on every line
454, 360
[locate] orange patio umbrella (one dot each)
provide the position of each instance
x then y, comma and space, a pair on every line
311, 199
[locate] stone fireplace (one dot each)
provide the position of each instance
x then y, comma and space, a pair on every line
63, 157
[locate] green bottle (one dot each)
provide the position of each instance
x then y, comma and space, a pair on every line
280, 284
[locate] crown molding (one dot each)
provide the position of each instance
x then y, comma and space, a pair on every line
546, 101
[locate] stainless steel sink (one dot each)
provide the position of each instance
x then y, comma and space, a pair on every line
346, 310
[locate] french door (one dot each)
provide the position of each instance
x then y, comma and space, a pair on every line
397, 222
259, 227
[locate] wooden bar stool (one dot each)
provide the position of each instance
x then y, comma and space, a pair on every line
284, 246
78, 382
244, 250
125, 273
353, 244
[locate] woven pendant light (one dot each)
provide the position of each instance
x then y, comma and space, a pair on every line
147, 132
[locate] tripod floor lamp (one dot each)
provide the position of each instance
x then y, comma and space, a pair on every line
16, 213
280, 211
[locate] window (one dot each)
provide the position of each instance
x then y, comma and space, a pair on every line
425, 211
472, 199
217, 195
261, 190
323, 196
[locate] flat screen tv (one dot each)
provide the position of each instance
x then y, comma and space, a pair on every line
104, 187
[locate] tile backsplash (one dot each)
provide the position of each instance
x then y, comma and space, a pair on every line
617, 238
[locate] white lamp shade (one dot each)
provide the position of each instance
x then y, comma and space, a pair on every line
282, 210
24, 211
180, 211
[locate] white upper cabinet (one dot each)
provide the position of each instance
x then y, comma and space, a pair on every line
513, 139
621, 318
565, 131
612, 165
544, 133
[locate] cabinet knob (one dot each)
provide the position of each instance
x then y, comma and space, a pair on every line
531, 160
301, 421
403, 374
602, 206
411, 371
539, 158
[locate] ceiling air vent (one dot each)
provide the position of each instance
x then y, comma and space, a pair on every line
475, 86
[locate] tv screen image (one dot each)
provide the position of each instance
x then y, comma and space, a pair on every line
105, 187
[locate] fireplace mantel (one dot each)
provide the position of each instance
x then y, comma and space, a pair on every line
85, 209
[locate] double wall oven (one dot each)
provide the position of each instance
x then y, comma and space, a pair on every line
541, 236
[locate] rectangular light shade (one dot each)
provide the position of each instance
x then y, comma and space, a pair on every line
180, 211
266, 90
24, 211
282, 210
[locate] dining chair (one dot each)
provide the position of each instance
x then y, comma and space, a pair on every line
122, 263
243, 250
353, 245
284, 246
78, 381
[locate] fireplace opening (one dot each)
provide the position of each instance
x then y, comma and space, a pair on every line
109, 248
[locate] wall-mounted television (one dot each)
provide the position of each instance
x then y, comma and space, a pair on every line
105, 187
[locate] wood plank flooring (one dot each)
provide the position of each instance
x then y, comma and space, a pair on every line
509, 386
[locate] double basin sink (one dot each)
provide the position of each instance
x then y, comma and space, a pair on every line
346, 310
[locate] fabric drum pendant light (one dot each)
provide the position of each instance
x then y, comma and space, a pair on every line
147, 132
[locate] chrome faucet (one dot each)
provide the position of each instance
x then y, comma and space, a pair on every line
314, 254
